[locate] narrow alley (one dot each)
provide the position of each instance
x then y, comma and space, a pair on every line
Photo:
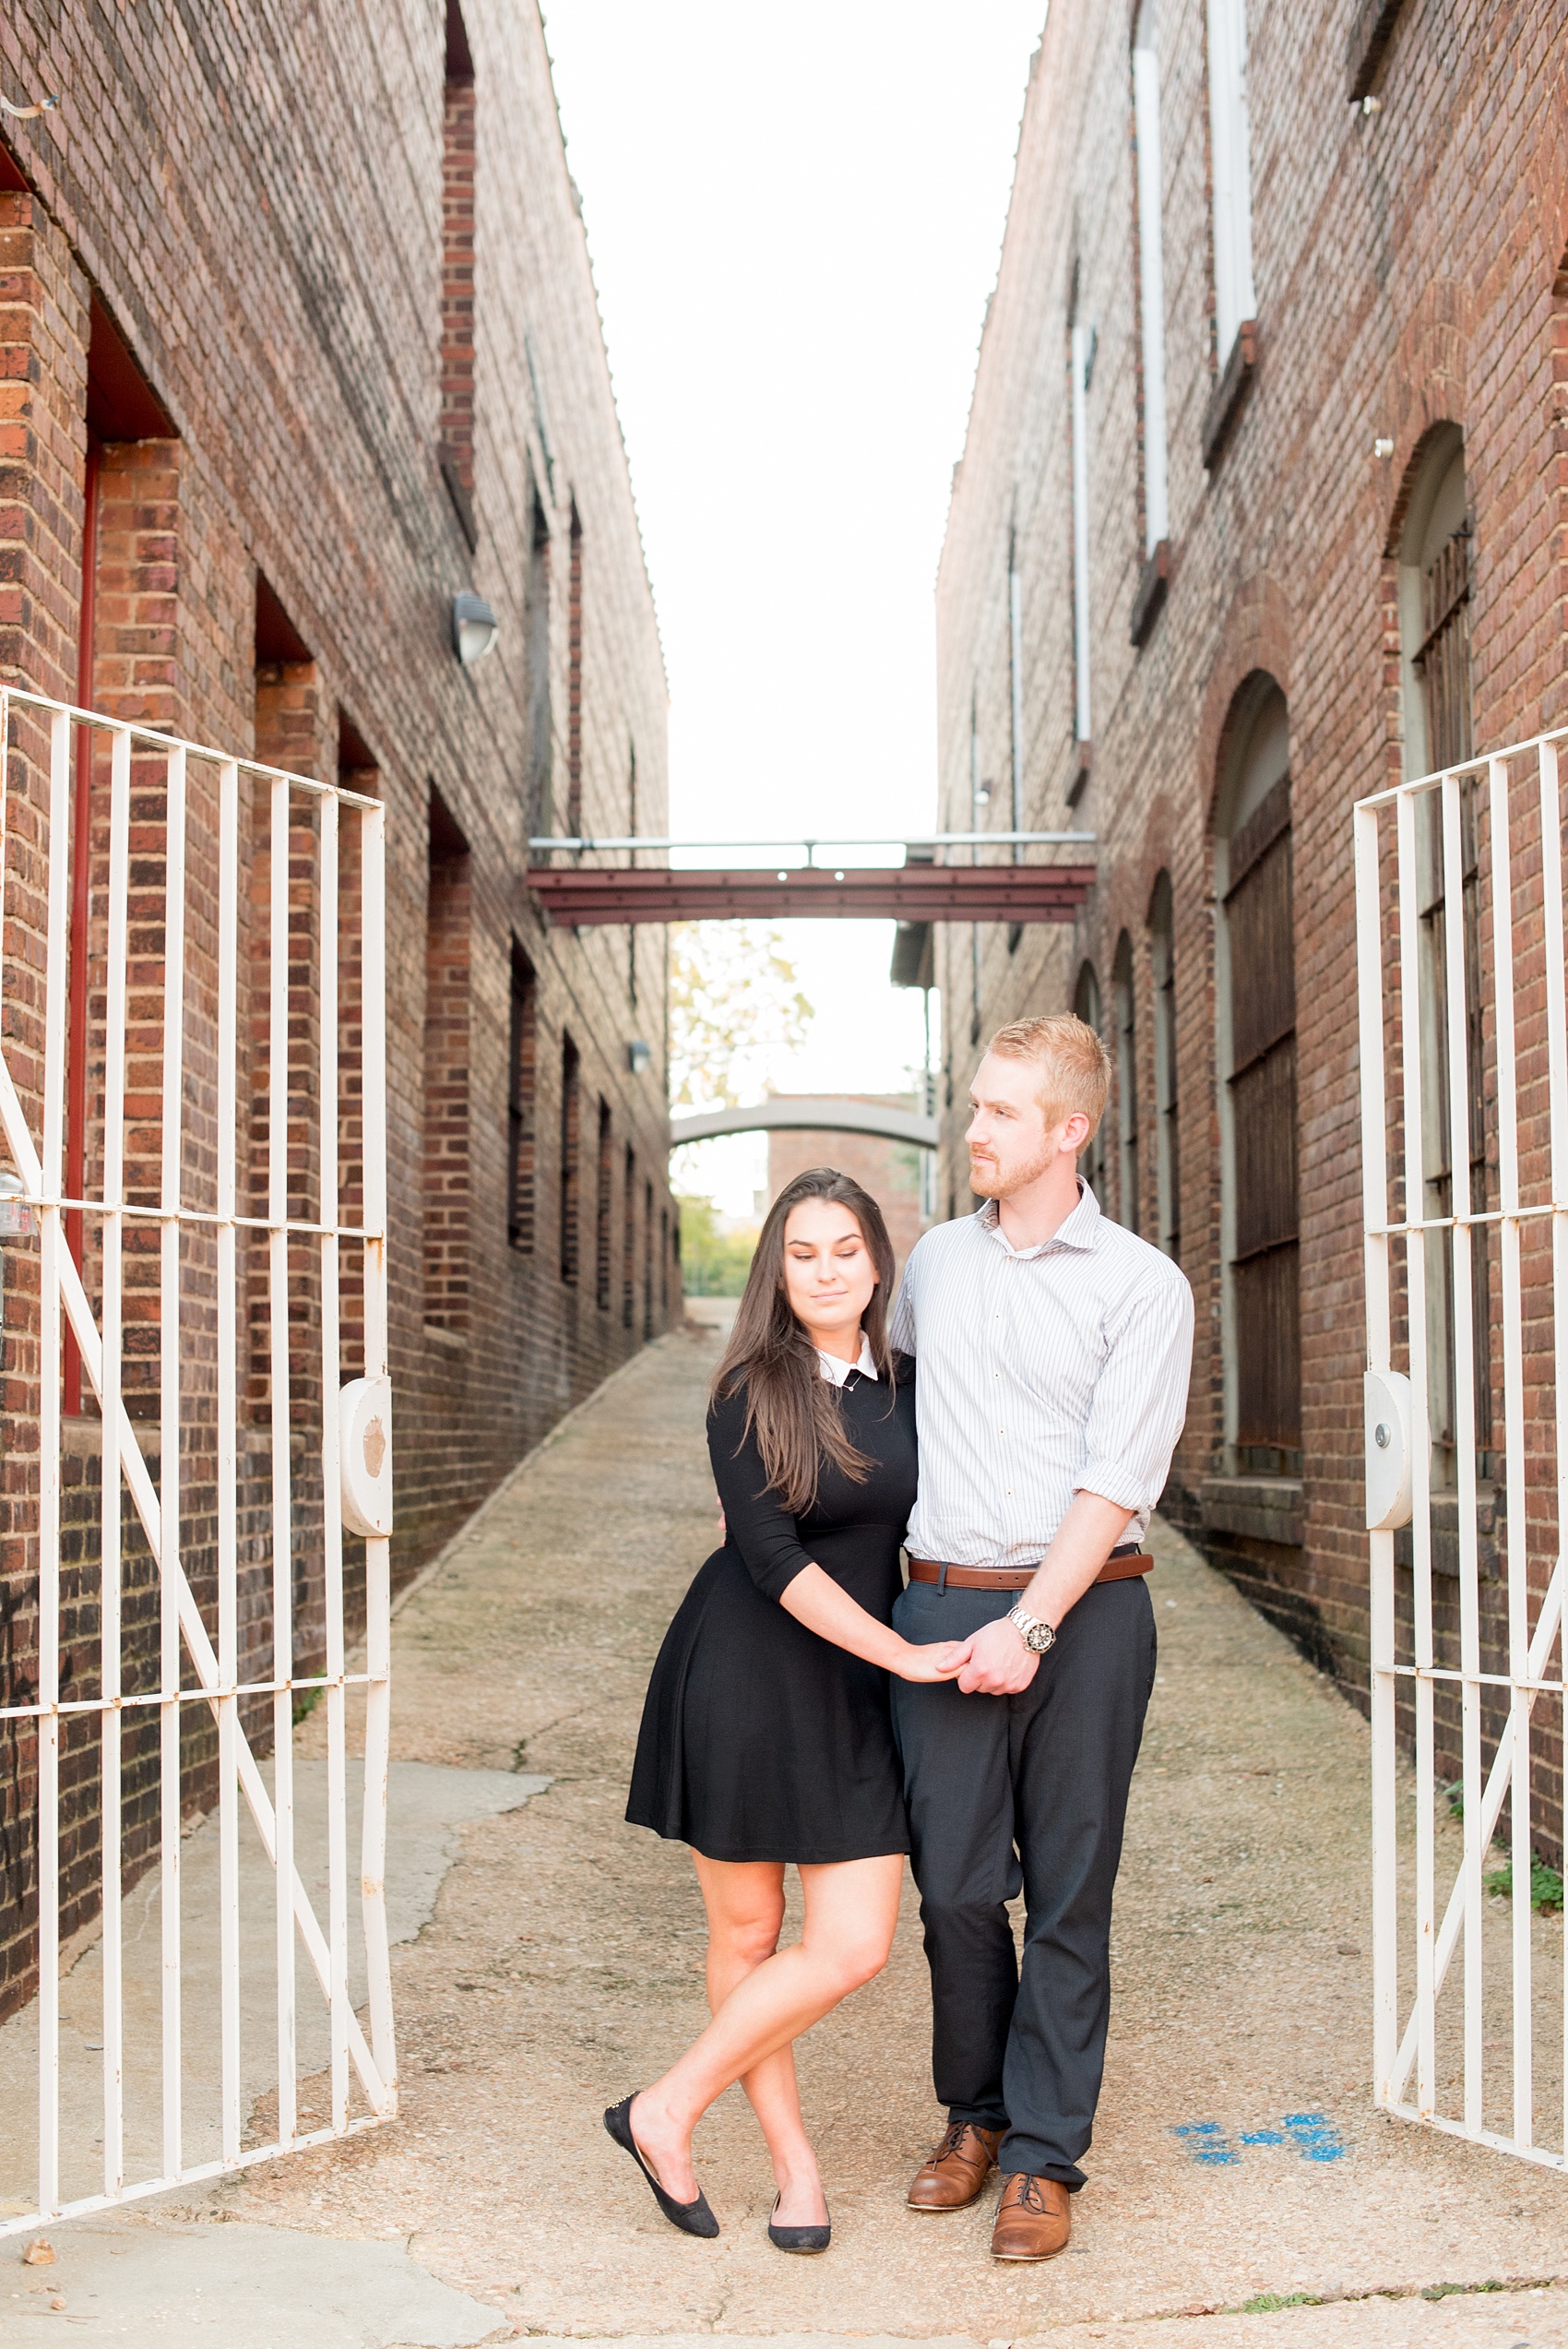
1237, 2158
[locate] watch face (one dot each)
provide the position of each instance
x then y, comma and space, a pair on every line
1041, 1637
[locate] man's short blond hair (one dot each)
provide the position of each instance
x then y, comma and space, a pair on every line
1075, 1067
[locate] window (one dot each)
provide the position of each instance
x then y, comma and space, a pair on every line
1151, 277
631, 860
664, 1265
976, 800
575, 681
571, 1154
521, 1093
457, 277
536, 645
602, 1212
1256, 999
1434, 630
648, 1261
629, 1240
1121, 988
1235, 303
1086, 1003
1162, 972
447, 1178
1082, 363
131, 548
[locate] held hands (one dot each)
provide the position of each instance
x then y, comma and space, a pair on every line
996, 1662
939, 1660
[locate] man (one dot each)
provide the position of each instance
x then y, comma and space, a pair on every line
1054, 1350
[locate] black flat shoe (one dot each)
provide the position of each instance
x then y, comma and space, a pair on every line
692, 2218
799, 2238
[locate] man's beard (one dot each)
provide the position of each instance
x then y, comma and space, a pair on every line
994, 1179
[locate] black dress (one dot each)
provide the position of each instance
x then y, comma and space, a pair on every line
759, 1740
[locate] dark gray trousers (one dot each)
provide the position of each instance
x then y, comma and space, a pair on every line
1031, 1790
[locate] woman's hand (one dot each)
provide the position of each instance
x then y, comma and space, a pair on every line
938, 1660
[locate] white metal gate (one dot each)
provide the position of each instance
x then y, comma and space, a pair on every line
1464, 1049
230, 903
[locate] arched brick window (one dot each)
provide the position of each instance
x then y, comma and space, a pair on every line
1086, 1003
1256, 1042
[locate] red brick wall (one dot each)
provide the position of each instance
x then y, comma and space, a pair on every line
325, 314
1408, 271
889, 1171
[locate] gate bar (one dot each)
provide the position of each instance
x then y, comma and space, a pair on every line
169, 1334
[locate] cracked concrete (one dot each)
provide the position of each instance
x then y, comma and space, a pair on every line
563, 1966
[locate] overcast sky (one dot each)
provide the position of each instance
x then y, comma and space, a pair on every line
794, 220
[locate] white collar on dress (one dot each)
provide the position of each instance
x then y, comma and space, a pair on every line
832, 1368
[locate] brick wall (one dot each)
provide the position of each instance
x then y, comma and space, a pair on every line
365, 372
1408, 271
889, 1171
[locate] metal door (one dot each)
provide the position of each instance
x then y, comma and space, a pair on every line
1464, 1057
230, 906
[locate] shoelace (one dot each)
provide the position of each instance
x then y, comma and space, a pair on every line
1027, 2196
952, 2142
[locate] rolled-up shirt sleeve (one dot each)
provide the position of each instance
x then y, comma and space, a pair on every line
901, 1326
756, 1523
1140, 1397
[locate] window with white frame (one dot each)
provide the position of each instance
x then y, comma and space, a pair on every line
1081, 362
1151, 276
1230, 167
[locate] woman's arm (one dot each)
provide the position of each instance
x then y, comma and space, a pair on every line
814, 1599
757, 1524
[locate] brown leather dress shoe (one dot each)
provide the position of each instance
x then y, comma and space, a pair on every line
1033, 2219
957, 2168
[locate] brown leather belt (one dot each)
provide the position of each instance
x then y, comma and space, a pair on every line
1118, 1566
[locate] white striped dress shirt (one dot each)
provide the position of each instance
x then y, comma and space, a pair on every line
1042, 1372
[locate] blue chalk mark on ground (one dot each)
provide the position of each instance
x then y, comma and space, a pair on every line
1207, 2143
1313, 2135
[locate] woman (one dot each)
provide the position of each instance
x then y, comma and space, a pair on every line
765, 1735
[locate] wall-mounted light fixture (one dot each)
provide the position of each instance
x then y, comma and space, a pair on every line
474, 627
639, 1056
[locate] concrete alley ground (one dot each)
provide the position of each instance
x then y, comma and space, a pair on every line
561, 1966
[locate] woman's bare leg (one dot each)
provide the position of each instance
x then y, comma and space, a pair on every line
851, 1909
745, 1911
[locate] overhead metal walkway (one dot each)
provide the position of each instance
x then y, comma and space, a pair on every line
582, 896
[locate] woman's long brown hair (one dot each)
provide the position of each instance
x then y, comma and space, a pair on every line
794, 1411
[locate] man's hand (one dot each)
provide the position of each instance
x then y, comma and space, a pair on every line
999, 1664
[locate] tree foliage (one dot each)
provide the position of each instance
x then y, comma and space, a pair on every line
736, 1009
713, 1263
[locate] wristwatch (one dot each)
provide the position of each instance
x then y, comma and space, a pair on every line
1036, 1636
